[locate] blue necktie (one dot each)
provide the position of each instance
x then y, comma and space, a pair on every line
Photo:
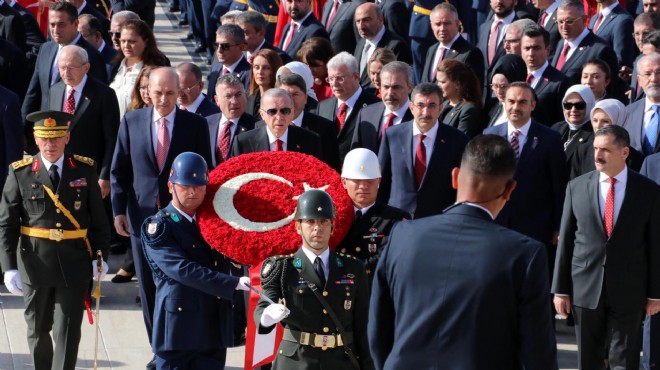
651, 134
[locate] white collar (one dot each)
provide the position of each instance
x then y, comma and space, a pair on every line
648, 105
82, 7
351, 101
539, 72
325, 257
431, 134
298, 120
448, 46
272, 138
399, 112
506, 20
606, 11
79, 88
480, 207
374, 42
363, 210
59, 162
155, 116
576, 42
621, 177
184, 214
299, 23
232, 67
551, 9
192, 108
524, 130
249, 54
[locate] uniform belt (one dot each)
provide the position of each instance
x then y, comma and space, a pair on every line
323, 341
419, 9
269, 18
53, 234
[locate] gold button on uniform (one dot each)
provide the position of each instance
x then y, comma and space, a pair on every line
58, 225
325, 294
357, 249
343, 250
325, 330
180, 309
348, 293
58, 210
300, 291
325, 312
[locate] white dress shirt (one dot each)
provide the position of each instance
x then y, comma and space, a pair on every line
272, 140
325, 259
350, 102
399, 114
59, 163
619, 192
429, 141
522, 137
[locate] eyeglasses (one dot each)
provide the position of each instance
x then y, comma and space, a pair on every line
567, 22
114, 35
225, 46
238, 95
640, 34
579, 105
421, 106
499, 86
339, 79
66, 69
187, 90
273, 111
511, 41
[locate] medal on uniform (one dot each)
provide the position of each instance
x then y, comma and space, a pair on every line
347, 304
77, 204
372, 248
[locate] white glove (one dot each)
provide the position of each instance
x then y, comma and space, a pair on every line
13, 282
243, 283
273, 314
96, 272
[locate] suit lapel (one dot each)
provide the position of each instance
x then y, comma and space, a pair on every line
407, 148
294, 141
530, 143
341, 9
41, 175
627, 206
145, 122
57, 92
438, 154
307, 271
85, 97
594, 205
262, 144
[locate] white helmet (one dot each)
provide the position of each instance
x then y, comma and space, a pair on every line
361, 164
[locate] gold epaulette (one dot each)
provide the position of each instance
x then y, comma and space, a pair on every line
86, 160
22, 163
348, 256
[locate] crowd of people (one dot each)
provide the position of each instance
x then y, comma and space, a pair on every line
391, 94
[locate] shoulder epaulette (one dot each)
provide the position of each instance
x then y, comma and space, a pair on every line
347, 256
273, 263
86, 160
154, 229
22, 163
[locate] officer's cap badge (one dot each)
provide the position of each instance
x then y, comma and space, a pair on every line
49, 122
320, 209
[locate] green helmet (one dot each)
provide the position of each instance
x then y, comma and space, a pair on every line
315, 205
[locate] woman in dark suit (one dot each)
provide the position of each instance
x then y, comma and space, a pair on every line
575, 128
265, 64
462, 93
508, 69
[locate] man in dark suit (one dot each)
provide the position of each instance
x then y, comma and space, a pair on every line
11, 26
84, 7
33, 35
255, 27
642, 116
396, 15
145, 9
231, 44
548, 20
615, 25
535, 207
339, 20
295, 85
64, 30
450, 45
90, 29
374, 119
511, 283
491, 32
549, 84
148, 141
643, 25
373, 35
232, 119
609, 224
416, 157
349, 98
191, 86
278, 134
11, 131
303, 26
13, 74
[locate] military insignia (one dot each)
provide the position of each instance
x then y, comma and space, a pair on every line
78, 183
297, 263
35, 165
175, 217
339, 262
71, 163
350, 276
22, 163
372, 248
152, 227
320, 209
86, 160
266, 269
77, 204
373, 230
35, 186
347, 304
49, 122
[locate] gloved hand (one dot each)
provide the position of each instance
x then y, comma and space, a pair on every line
96, 272
13, 282
273, 314
243, 283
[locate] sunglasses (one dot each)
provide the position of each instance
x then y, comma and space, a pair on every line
114, 35
273, 111
225, 46
578, 106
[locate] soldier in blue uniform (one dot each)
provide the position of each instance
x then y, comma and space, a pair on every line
194, 291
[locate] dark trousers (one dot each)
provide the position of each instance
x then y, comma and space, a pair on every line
651, 348
60, 309
604, 333
191, 360
203, 28
145, 283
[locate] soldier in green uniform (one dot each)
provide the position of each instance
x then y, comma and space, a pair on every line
323, 297
52, 201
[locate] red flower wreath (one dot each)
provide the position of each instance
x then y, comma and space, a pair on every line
250, 201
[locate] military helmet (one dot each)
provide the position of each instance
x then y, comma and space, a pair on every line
315, 204
189, 169
361, 164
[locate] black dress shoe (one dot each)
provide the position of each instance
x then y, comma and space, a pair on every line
190, 36
151, 365
200, 48
183, 22
209, 60
174, 9
122, 278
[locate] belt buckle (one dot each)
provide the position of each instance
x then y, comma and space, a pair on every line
324, 341
304, 338
56, 234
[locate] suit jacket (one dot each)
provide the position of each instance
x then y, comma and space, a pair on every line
494, 111
11, 131
206, 108
284, 56
588, 261
616, 29
396, 14
583, 158
398, 187
13, 74
298, 140
201, 294
11, 26
461, 50
651, 167
590, 48
342, 31
103, 19
484, 35
108, 53
465, 117
33, 36
309, 28
94, 130
634, 124
243, 71
136, 183
535, 206
512, 285
245, 123
328, 110
578, 141
553, 29
634, 96
367, 133
328, 134
549, 95
390, 41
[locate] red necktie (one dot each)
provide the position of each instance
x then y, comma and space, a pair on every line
441, 57
388, 124
420, 160
515, 144
492, 41
530, 78
341, 115
163, 143
225, 139
183, 107
70, 104
289, 37
250, 58
562, 57
609, 208
543, 17
598, 20
225, 71
278, 145
333, 12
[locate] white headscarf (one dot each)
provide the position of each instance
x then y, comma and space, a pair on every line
303, 71
613, 108
588, 96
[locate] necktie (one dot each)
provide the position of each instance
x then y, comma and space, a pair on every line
420, 160
543, 17
563, 56
651, 133
183, 107
54, 176
388, 124
492, 41
70, 104
441, 57
318, 267
530, 78
278, 145
289, 37
250, 58
341, 115
609, 208
598, 20
223, 144
365, 56
333, 12
225, 71
515, 144
163, 143
358, 214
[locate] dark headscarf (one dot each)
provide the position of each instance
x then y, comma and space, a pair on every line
512, 66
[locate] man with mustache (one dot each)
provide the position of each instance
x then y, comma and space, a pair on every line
148, 141
642, 116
